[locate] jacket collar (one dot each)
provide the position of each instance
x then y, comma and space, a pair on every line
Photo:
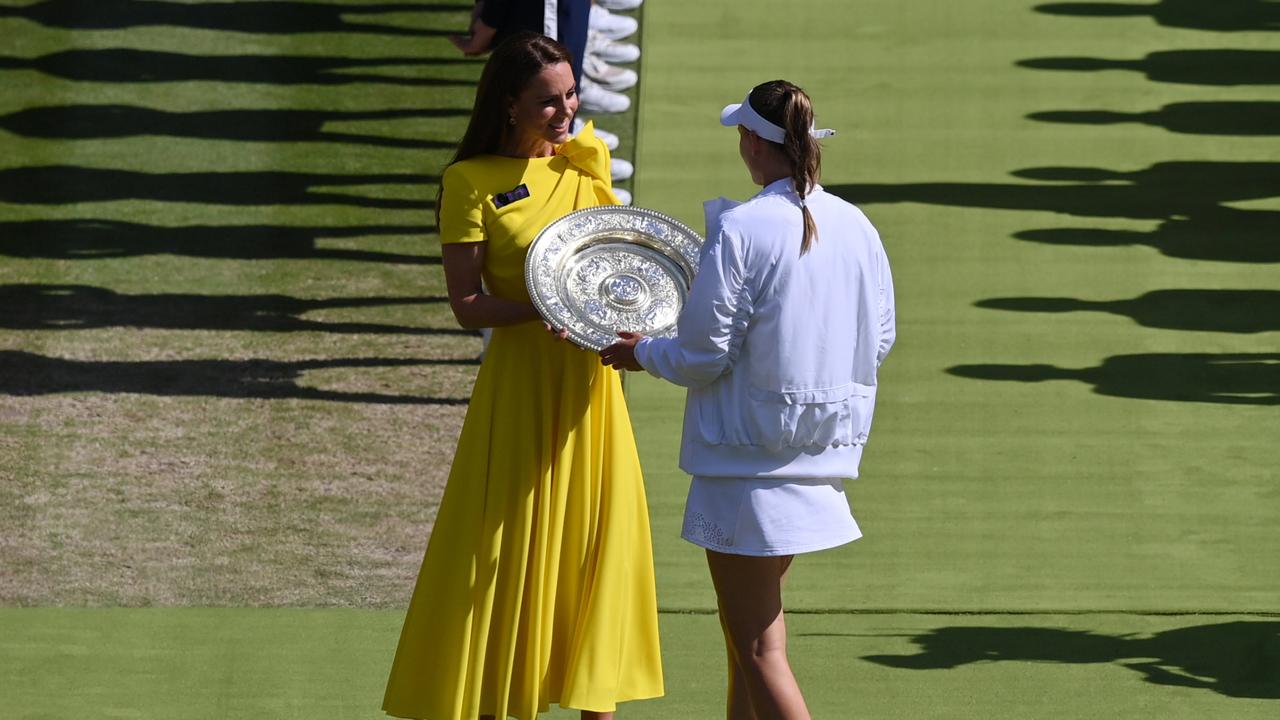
783, 186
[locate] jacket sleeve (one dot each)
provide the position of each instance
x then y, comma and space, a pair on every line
888, 312
712, 324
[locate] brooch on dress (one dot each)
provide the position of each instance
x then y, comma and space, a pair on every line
502, 200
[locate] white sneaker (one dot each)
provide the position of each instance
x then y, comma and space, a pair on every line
611, 51
593, 98
614, 27
620, 169
619, 4
610, 140
608, 76
623, 196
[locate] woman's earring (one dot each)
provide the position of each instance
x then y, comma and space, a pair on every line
511, 119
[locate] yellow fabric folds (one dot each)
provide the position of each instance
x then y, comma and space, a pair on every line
537, 585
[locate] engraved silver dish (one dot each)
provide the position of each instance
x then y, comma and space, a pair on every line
609, 268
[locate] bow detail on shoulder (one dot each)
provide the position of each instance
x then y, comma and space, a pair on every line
587, 153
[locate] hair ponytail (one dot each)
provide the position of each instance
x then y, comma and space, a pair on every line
788, 107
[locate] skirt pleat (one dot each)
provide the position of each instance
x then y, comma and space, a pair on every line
537, 585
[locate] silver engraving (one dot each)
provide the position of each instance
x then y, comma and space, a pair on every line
624, 289
605, 269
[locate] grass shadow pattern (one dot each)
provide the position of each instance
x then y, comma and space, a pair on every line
1229, 311
260, 16
1244, 117
1226, 235
80, 122
89, 239
1190, 199
26, 374
1218, 16
127, 65
1161, 191
1221, 67
70, 185
80, 307
1239, 659
1222, 378
322, 207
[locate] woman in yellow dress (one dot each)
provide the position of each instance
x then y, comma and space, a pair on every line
537, 585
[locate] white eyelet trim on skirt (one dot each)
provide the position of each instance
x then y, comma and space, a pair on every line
768, 516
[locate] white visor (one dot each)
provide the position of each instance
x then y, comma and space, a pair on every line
743, 114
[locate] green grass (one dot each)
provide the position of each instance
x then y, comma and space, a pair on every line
192, 664
1100, 544
168, 438
193, 350
981, 494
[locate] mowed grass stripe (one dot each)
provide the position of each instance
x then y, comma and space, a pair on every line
1112, 455
218, 236
229, 376
330, 664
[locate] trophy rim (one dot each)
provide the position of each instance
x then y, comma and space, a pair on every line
536, 288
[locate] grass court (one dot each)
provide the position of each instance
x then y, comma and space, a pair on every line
230, 383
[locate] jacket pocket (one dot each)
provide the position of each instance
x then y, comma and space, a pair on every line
811, 418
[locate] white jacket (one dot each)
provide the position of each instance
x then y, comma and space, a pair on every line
780, 351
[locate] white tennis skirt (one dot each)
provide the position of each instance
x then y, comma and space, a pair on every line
768, 517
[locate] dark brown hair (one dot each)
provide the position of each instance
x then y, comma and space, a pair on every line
510, 68
788, 107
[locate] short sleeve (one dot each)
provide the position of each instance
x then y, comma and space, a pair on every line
461, 209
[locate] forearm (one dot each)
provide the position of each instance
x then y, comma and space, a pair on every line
480, 310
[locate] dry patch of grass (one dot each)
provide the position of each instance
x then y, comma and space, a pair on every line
209, 397
136, 500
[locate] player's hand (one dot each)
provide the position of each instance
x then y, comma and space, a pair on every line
622, 354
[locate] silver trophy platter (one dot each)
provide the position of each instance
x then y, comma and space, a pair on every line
604, 269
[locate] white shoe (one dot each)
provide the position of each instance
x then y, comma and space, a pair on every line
610, 50
594, 98
619, 4
623, 196
610, 140
608, 76
620, 169
614, 27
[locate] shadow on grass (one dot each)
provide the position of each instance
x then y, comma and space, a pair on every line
94, 239
1219, 15
1238, 659
81, 307
76, 122
1192, 67
125, 65
1245, 117
260, 16
1190, 198
1162, 191
1226, 236
65, 185
1228, 378
1232, 311
29, 374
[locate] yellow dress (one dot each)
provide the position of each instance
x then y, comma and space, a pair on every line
537, 586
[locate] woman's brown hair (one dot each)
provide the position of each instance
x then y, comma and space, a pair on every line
788, 107
510, 68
